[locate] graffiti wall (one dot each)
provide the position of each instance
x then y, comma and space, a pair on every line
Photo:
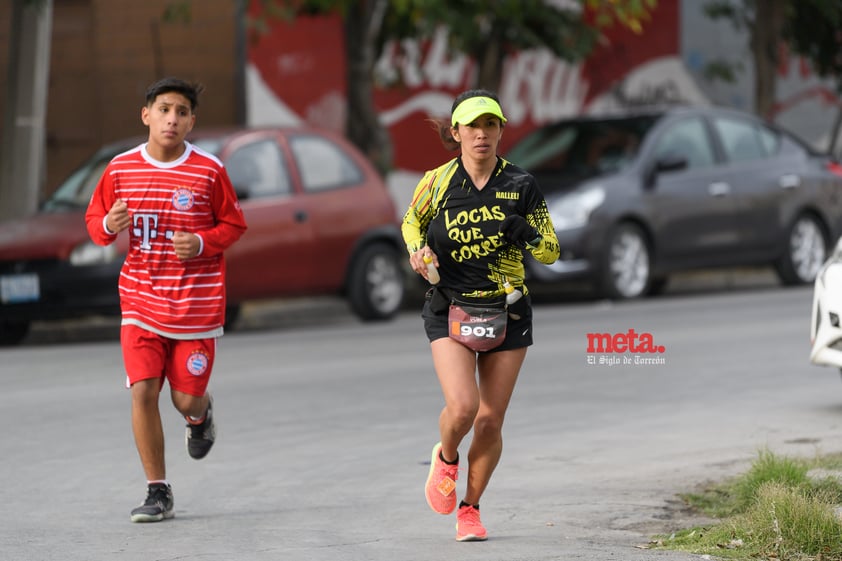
296, 72
805, 104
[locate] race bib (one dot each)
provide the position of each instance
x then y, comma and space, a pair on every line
478, 328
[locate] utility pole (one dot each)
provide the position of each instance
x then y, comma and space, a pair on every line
23, 147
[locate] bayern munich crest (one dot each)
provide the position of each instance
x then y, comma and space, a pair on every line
182, 199
197, 363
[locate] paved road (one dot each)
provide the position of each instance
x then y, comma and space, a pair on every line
325, 430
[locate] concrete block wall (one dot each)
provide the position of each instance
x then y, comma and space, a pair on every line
105, 53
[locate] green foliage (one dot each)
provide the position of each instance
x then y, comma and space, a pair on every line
769, 468
722, 70
515, 24
741, 16
773, 511
474, 24
726, 540
718, 501
485, 30
813, 31
791, 524
781, 522
829, 461
630, 13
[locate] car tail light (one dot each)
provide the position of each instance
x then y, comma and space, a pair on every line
835, 168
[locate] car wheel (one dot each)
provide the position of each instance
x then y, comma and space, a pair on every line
627, 267
376, 283
13, 332
805, 252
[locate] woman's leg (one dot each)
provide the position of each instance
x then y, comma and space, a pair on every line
498, 374
455, 367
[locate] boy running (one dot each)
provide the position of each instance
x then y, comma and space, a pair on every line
181, 213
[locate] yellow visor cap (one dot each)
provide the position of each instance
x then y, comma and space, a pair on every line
467, 111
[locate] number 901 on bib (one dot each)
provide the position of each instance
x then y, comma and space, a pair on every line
478, 328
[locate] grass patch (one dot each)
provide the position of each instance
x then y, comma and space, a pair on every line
777, 510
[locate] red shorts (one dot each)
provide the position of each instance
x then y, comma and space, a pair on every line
186, 364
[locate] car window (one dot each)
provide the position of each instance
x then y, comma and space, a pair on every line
212, 145
770, 139
323, 164
545, 148
257, 170
687, 138
76, 190
580, 149
743, 141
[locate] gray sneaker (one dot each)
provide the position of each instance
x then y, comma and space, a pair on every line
157, 506
199, 438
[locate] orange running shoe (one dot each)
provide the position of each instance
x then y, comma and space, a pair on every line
441, 483
468, 526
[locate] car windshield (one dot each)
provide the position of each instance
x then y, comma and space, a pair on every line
575, 150
75, 191
210, 144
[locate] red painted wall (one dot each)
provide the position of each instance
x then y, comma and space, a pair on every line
303, 64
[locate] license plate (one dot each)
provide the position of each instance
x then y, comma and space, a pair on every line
15, 289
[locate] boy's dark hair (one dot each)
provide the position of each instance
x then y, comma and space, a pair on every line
190, 90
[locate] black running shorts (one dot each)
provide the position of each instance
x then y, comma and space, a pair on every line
518, 331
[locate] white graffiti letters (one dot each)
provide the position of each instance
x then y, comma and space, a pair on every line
536, 85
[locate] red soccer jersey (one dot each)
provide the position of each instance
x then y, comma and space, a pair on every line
178, 299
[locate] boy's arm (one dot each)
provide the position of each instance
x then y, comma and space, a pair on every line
96, 215
230, 223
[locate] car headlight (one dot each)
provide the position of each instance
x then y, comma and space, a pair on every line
573, 210
89, 253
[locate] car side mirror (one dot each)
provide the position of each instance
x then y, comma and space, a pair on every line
671, 161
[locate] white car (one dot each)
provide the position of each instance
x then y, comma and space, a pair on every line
825, 328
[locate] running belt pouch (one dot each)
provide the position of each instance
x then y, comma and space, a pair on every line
480, 328
438, 300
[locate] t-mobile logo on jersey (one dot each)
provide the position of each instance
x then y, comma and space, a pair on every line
145, 228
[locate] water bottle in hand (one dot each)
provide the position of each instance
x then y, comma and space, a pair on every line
432, 272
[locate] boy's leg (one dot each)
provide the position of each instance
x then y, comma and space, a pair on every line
143, 354
146, 425
201, 429
191, 405
144, 358
189, 373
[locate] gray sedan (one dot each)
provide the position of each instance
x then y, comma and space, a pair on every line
639, 196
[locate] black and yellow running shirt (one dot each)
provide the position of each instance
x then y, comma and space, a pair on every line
460, 223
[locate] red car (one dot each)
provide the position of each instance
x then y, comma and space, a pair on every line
320, 221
